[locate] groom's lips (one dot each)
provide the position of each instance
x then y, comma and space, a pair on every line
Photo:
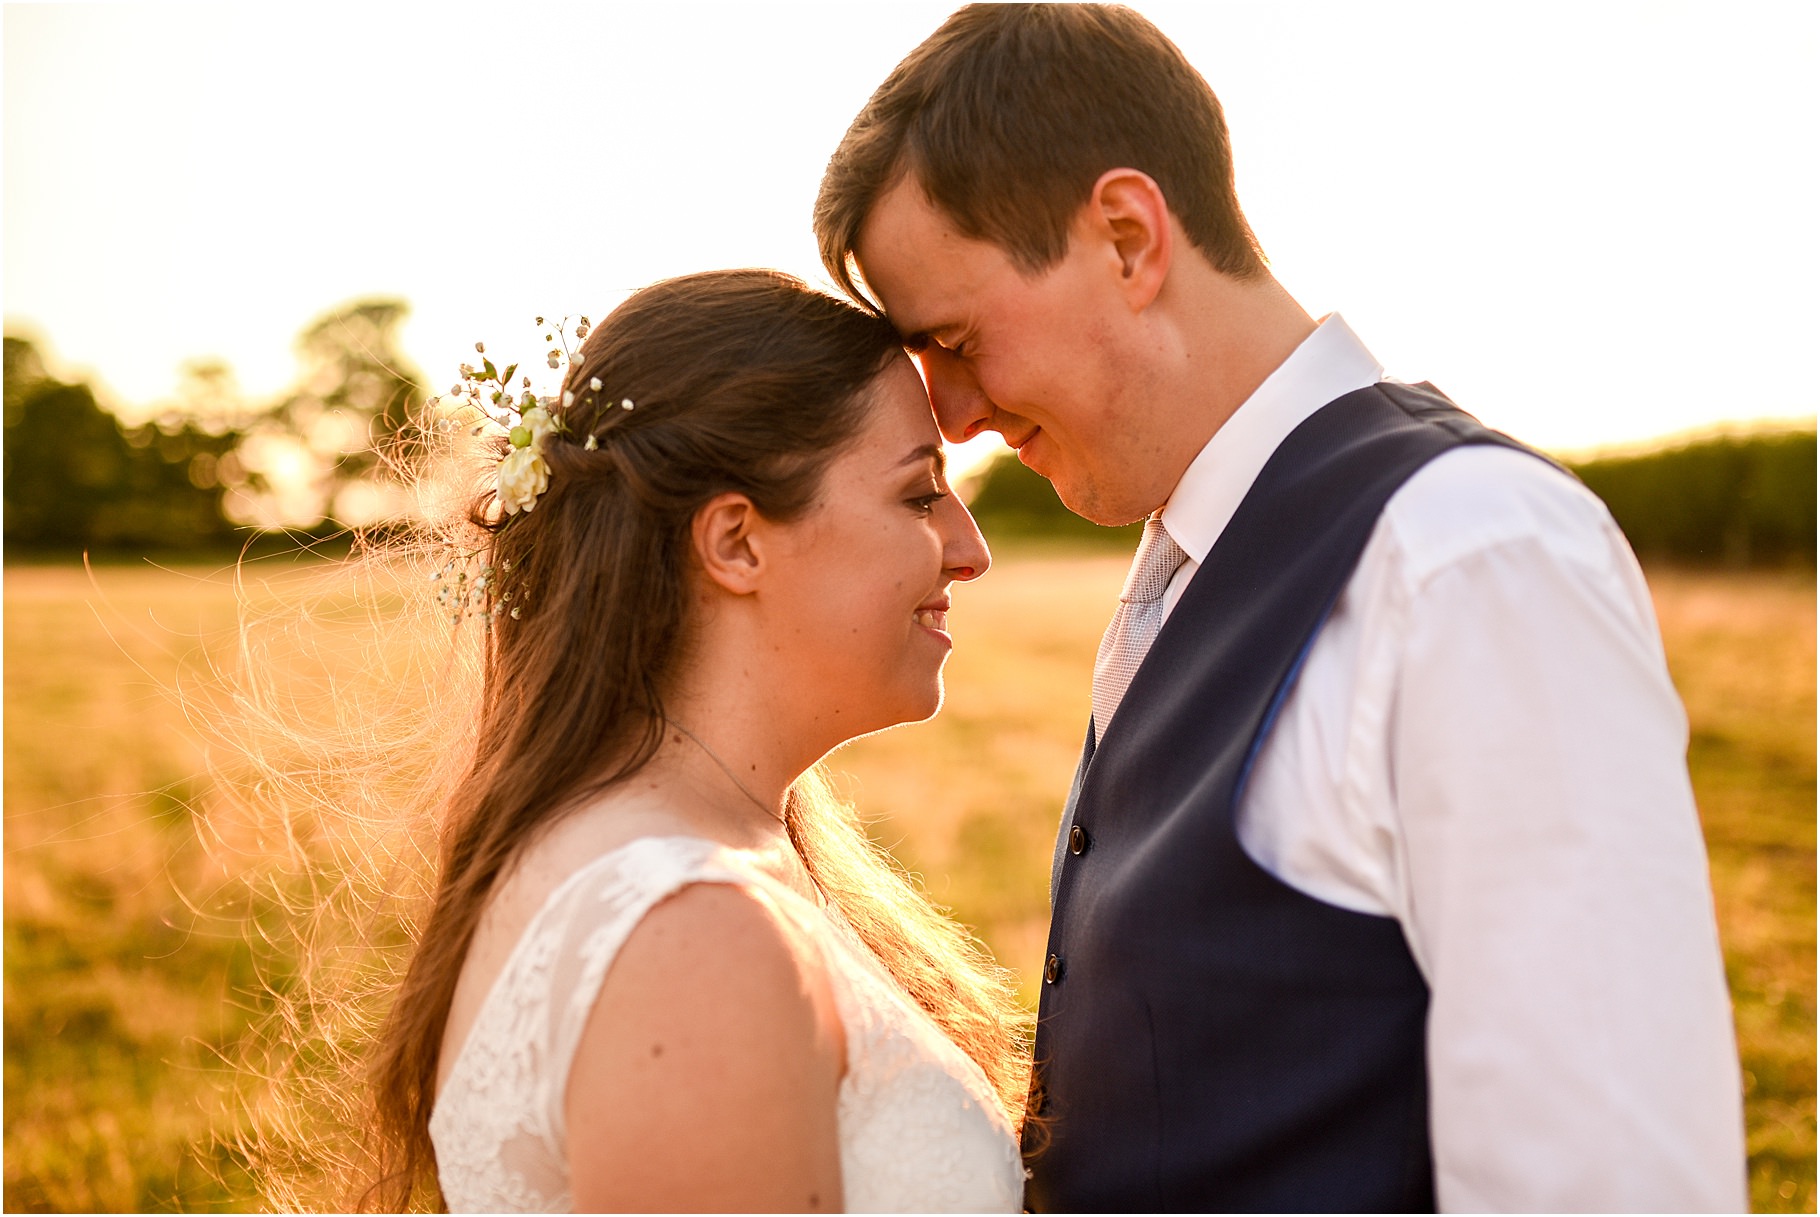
1021, 443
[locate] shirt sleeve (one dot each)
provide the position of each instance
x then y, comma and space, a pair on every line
1581, 1049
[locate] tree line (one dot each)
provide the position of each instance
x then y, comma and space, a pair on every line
1724, 500
213, 473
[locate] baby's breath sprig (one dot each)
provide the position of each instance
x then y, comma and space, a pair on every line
485, 399
462, 592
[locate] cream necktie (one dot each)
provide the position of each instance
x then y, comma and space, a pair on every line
1136, 623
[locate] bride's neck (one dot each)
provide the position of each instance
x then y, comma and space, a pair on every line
730, 727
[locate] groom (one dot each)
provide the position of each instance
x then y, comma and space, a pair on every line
1381, 884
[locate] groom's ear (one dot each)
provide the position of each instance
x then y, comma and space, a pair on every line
726, 533
1129, 216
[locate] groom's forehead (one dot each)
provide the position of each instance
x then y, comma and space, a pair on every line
918, 264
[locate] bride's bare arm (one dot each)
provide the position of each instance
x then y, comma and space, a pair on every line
707, 1077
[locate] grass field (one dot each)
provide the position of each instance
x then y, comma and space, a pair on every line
132, 956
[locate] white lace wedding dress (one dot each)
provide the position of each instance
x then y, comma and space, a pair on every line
920, 1130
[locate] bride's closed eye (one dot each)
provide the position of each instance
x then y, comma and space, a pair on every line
925, 503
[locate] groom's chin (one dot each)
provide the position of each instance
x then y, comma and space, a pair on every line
1086, 500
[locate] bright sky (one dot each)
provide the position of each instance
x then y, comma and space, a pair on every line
1591, 223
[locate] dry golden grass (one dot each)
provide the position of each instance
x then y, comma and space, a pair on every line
135, 963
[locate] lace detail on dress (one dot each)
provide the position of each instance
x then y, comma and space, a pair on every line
920, 1130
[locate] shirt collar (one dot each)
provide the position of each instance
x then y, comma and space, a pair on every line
1329, 363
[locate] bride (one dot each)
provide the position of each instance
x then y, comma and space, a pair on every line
663, 969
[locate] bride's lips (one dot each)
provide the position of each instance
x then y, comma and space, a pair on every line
933, 617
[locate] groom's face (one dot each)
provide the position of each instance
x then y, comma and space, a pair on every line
1036, 358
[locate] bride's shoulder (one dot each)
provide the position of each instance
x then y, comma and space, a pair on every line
717, 1013
563, 911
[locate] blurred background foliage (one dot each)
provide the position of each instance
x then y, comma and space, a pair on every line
211, 472
1730, 500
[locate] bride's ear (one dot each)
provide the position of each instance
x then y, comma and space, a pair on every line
728, 542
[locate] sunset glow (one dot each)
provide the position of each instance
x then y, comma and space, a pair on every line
1589, 224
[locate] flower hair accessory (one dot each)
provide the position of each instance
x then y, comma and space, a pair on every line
485, 400
528, 421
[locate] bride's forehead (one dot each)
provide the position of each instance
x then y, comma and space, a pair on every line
898, 413
897, 398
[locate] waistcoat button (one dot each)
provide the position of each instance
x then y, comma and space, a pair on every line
1077, 840
1052, 971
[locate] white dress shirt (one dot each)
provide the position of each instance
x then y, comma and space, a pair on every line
1484, 744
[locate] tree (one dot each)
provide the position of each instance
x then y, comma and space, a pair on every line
75, 480
352, 417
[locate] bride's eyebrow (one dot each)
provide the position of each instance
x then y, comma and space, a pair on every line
928, 452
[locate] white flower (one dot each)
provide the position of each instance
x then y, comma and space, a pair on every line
626, 404
538, 421
568, 399
594, 383
593, 443
555, 358
523, 476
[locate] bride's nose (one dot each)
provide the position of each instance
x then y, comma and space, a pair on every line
964, 552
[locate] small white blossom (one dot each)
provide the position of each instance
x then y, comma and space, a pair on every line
568, 399
515, 613
555, 359
594, 383
626, 404
593, 443
523, 476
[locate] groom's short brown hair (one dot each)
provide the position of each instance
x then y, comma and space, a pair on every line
1009, 113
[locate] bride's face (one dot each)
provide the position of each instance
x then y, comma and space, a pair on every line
861, 604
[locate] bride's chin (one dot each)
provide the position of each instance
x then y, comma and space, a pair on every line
926, 706
919, 709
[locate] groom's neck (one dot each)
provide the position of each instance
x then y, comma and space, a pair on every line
1234, 334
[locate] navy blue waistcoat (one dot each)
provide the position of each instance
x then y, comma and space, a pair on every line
1210, 1038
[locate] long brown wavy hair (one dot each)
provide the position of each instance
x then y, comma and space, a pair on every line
743, 381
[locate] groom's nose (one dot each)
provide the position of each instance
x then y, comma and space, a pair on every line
962, 409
